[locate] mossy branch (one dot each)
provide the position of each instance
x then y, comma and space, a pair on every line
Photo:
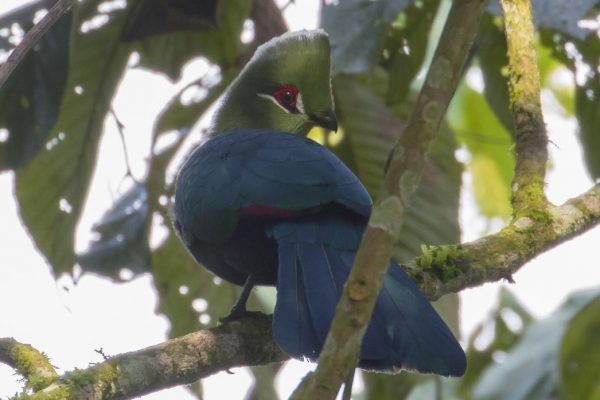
498, 256
29, 362
353, 313
175, 362
524, 86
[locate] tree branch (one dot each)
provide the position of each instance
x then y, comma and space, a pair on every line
32, 37
175, 362
29, 362
524, 86
353, 313
494, 257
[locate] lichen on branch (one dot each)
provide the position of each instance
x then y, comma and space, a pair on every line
178, 361
524, 86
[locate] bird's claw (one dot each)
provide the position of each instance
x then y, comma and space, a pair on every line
240, 313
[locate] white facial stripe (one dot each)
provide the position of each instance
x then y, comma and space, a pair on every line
300, 104
269, 97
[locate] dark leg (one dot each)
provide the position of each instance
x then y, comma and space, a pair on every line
238, 310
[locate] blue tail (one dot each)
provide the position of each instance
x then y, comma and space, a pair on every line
315, 257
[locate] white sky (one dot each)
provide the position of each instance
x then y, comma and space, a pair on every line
69, 325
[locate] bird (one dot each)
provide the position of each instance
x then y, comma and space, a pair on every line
259, 203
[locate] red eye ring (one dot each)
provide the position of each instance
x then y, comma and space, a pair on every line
287, 96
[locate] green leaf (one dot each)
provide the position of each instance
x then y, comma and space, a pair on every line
177, 116
532, 365
356, 28
564, 94
405, 47
51, 189
583, 59
493, 61
29, 100
371, 129
503, 338
181, 284
158, 17
490, 145
219, 42
588, 114
579, 358
121, 242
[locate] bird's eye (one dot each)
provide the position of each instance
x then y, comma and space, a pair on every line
287, 96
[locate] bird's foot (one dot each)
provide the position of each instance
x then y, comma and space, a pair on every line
240, 313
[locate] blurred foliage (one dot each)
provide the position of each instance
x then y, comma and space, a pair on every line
53, 108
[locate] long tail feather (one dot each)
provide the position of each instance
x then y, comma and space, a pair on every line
405, 331
292, 325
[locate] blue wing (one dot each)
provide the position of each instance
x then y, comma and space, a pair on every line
246, 167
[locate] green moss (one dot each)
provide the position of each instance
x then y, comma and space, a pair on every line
442, 260
34, 365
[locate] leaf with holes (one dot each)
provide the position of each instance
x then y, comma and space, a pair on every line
29, 100
187, 291
219, 41
121, 238
177, 115
532, 365
51, 189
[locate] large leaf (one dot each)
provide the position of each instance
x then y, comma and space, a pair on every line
121, 237
177, 115
29, 100
532, 365
219, 42
588, 115
372, 129
51, 189
579, 358
405, 47
154, 17
506, 323
492, 159
356, 28
186, 290
491, 46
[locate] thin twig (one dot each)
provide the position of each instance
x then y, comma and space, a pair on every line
121, 129
32, 37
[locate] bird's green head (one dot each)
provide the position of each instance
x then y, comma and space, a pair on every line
286, 86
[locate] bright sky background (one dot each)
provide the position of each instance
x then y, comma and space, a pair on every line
69, 324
